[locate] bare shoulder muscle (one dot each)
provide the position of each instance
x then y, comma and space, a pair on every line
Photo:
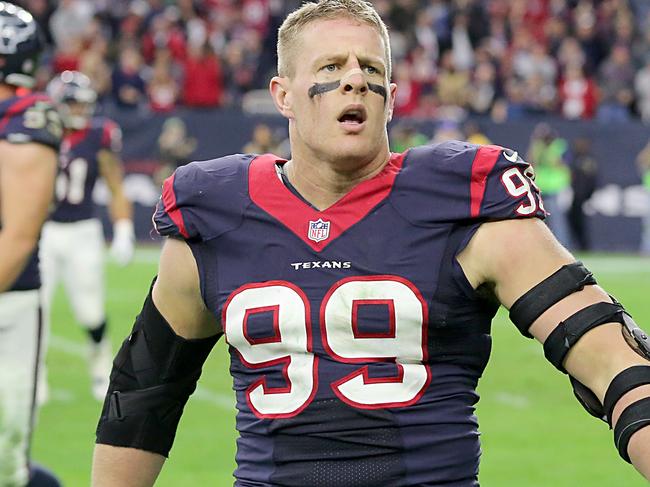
177, 293
27, 173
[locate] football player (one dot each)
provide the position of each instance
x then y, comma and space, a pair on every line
72, 247
30, 134
356, 288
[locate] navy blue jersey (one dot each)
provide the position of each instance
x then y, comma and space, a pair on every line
356, 341
79, 168
30, 119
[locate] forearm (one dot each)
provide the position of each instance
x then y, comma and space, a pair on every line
125, 467
639, 451
638, 447
121, 208
15, 253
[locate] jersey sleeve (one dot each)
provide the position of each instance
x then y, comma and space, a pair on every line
502, 186
204, 199
32, 119
111, 136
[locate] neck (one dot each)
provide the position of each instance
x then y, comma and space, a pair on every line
322, 182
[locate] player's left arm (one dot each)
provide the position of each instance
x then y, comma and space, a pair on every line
529, 270
26, 190
121, 209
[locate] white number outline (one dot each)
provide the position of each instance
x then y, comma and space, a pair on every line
515, 190
364, 371
336, 385
71, 186
286, 360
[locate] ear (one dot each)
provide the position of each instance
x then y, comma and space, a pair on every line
278, 86
392, 90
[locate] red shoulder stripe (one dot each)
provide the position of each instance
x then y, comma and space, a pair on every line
484, 160
169, 201
19, 105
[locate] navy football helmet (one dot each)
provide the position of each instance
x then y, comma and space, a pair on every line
72, 91
20, 45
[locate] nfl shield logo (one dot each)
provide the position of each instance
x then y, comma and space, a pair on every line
318, 230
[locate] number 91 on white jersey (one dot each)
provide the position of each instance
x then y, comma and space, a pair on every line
403, 343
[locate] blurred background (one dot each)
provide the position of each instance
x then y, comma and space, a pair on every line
566, 83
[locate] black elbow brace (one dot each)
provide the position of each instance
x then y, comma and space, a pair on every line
154, 373
567, 280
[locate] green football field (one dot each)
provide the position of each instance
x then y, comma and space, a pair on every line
533, 432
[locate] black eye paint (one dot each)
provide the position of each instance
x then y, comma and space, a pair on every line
320, 88
379, 89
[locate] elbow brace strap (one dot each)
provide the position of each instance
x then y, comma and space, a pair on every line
567, 280
632, 419
154, 373
624, 382
569, 331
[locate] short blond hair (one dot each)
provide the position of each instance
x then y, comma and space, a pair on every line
359, 10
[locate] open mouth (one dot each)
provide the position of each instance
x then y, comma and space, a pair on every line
353, 116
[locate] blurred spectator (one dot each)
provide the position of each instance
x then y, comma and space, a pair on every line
66, 58
578, 95
128, 85
483, 88
163, 33
202, 83
175, 147
69, 21
452, 84
474, 134
93, 65
239, 71
461, 46
547, 154
447, 130
642, 90
540, 96
500, 57
262, 142
162, 88
616, 81
584, 170
408, 90
403, 136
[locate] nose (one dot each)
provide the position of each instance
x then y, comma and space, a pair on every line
354, 81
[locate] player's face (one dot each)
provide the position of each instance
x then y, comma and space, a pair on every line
340, 98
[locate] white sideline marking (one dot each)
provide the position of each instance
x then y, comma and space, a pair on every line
62, 395
76, 349
514, 400
623, 264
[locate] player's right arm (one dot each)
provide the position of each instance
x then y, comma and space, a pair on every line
176, 295
26, 189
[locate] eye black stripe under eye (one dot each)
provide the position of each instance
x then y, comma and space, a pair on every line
379, 89
320, 88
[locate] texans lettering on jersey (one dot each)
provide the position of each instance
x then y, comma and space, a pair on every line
356, 341
79, 168
30, 119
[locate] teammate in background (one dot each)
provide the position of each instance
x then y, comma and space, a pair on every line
356, 289
72, 247
30, 134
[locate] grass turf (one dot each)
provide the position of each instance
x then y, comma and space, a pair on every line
534, 433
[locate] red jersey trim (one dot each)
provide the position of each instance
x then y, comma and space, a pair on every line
484, 161
76, 137
20, 105
169, 201
269, 193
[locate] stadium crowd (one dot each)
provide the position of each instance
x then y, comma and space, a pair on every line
507, 59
